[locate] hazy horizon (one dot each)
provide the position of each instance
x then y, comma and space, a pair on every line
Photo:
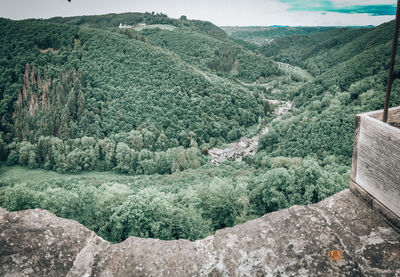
219, 12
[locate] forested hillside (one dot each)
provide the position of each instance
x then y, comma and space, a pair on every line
67, 82
260, 35
223, 57
113, 20
145, 104
350, 68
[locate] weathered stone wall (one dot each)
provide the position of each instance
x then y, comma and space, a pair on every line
376, 158
339, 236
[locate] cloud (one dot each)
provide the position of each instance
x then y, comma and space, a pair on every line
325, 6
342, 3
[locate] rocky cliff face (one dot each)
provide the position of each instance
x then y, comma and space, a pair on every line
336, 237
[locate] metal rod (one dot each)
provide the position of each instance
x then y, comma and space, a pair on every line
391, 65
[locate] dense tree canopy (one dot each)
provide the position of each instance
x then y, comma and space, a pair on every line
91, 82
79, 94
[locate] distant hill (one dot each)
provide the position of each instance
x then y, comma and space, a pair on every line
113, 20
321, 51
260, 35
350, 68
197, 42
94, 79
208, 53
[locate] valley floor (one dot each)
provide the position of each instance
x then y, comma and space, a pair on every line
21, 174
247, 146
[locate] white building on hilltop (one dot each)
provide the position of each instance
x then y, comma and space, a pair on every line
123, 26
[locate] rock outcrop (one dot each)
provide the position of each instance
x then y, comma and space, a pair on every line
339, 236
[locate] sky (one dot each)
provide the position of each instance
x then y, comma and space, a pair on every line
219, 12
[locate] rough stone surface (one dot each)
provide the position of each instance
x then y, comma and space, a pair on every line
339, 236
376, 159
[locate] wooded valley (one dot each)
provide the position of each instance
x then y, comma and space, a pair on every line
116, 124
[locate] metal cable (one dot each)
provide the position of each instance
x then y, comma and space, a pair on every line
391, 65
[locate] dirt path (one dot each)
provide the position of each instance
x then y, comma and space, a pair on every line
245, 146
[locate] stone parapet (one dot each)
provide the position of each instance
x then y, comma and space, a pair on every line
340, 236
376, 161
